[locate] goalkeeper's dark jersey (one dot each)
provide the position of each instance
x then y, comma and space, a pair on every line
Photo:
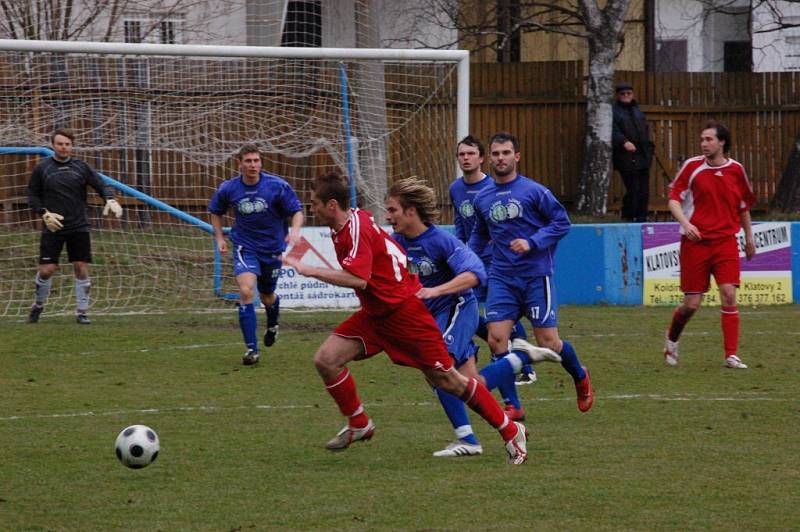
60, 187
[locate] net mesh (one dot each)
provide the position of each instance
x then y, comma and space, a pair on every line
170, 127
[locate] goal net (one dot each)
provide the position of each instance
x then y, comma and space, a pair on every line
166, 121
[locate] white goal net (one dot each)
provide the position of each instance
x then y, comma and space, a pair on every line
169, 125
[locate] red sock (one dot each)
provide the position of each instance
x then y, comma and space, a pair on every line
730, 330
481, 400
343, 390
679, 321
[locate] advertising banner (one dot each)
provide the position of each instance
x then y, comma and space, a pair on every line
766, 279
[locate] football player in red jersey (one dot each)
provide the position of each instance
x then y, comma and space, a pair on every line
391, 319
711, 198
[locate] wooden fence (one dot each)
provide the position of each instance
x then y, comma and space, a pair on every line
544, 105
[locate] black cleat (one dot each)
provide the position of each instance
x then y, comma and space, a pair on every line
36, 311
83, 319
270, 336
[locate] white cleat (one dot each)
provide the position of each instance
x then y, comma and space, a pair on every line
670, 351
349, 435
517, 447
523, 379
734, 362
458, 448
537, 354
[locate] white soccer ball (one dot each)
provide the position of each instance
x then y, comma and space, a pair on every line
137, 446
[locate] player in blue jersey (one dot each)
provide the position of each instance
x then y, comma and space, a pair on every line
268, 215
470, 154
524, 221
448, 271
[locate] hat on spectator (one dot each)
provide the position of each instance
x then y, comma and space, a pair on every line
624, 87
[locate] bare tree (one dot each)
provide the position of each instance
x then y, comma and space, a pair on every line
498, 24
99, 20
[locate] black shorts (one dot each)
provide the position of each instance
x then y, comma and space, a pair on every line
79, 247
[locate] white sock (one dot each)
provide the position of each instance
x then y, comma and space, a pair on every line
82, 287
42, 289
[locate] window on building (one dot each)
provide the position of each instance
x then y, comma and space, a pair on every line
303, 24
133, 30
167, 31
155, 28
738, 56
672, 56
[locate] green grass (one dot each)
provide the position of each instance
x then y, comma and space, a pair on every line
696, 447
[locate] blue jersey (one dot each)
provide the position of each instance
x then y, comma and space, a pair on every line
437, 257
261, 212
520, 209
462, 195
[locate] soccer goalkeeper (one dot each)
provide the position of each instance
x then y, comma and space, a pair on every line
57, 193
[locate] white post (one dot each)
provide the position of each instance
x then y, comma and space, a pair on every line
462, 102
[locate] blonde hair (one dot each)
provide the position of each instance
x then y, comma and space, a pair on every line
414, 192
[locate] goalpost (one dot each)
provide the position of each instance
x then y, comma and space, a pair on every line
162, 123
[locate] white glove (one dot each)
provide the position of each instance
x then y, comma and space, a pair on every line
114, 207
52, 220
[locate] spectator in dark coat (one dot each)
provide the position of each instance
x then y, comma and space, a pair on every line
632, 154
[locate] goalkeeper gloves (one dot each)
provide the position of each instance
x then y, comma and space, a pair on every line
114, 207
52, 220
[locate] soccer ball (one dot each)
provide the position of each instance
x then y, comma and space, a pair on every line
137, 446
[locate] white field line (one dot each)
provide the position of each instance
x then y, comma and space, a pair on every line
372, 406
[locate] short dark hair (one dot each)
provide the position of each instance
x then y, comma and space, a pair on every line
64, 132
248, 148
723, 133
469, 140
502, 136
333, 186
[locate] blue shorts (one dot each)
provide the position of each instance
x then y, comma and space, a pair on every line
510, 298
458, 325
267, 267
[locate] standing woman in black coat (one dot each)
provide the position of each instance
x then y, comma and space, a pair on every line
632, 154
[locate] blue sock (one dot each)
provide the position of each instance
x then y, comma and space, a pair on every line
519, 331
570, 362
273, 312
456, 412
482, 332
500, 374
248, 323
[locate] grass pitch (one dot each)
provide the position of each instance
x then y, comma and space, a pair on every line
696, 447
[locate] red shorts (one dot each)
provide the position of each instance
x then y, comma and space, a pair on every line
699, 260
409, 335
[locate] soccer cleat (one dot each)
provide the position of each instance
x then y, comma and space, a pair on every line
585, 392
526, 378
517, 446
270, 335
537, 354
734, 362
514, 413
83, 319
349, 435
250, 358
36, 311
670, 351
458, 448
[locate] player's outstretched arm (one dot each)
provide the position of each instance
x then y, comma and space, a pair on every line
295, 224
337, 277
457, 284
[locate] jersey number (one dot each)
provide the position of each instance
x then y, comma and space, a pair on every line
398, 258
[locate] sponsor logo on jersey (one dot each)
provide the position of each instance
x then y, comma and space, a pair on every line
252, 206
466, 209
500, 212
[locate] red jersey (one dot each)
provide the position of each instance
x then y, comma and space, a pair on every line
713, 197
367, 251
